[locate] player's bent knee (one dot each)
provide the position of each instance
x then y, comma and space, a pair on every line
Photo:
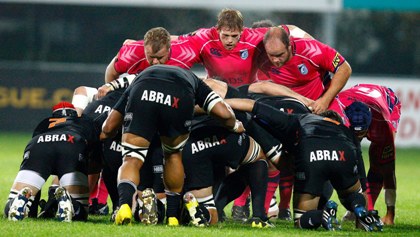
134, 151
173, 149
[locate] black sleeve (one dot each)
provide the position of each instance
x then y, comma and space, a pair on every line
281, 125
122, 102
204, 94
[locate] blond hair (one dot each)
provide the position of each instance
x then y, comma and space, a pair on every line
157, 38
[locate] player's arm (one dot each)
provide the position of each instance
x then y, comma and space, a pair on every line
111, 125
273, 89
216, 107
110, 72
338, 81
298, 32
115, 118
280, 124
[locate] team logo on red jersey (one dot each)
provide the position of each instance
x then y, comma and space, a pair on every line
303, 69
244, 54
215, 52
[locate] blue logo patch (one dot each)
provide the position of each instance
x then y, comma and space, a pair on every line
303, 69
244, 54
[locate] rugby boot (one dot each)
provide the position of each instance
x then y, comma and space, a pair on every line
49, 207
19, 208
329, 217
65, 211
148, 212
241, 213
124, 215
196, 213
285, 214
367, 220
173, 221
256, 222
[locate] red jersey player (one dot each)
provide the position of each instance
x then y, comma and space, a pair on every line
301, 64
135, 56
228, 50
156, 48
386, 110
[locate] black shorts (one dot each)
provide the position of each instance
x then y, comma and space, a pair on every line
319, 160
55, 157
210, 147
159, 106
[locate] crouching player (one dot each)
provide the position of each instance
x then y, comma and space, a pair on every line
374, 111
209, 149
59, 146
324, 150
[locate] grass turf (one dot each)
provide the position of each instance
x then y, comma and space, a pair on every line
407, 217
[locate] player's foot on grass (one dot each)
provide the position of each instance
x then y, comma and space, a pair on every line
65, 211
196, 214
19, 208
173, 222
124, 215
329, 216
257, 222
148, 211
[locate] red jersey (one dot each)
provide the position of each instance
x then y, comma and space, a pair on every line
304, 72
131, 58
384, 105
237, 66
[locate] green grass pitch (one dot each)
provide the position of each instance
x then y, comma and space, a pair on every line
407, 210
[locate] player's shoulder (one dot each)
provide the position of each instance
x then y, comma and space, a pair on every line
202, 34
307, 47
253, 35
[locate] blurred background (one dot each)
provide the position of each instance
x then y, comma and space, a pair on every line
49, 47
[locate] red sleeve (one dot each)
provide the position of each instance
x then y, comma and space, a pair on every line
128, 55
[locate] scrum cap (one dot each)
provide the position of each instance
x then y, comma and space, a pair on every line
359, 115
64, 109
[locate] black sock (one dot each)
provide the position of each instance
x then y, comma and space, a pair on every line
326, 195
110, 180
257, 178
232, 187
126, 191
173, 204
161, 211
353, 200
311, 219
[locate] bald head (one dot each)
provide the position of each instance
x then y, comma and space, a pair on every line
277, 33
277, 46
